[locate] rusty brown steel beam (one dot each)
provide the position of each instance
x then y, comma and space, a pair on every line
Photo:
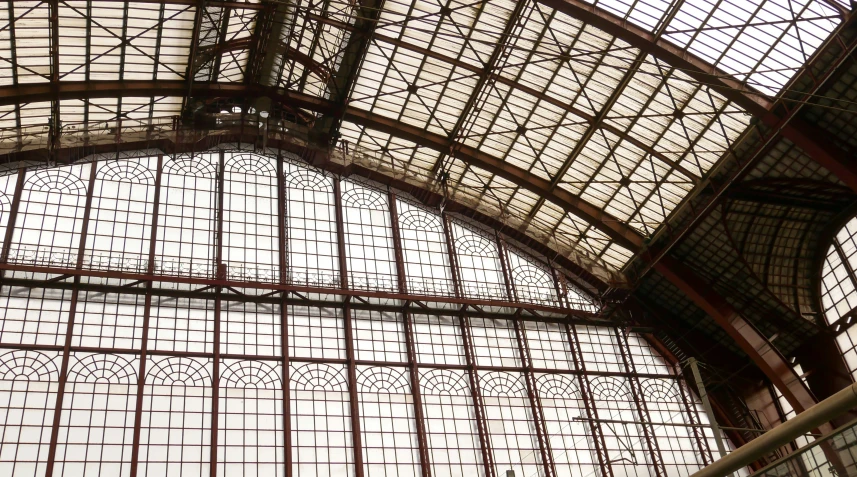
221, 282
746, 336
31, 93
735, 91
622, 233
542, 96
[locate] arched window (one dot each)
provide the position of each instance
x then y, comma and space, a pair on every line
7, 190
313, 255
512, 432
368, 237
321, 434
176, 417
478, 264
98, 385
424, 250
387, 421
839, 291
251, 400
50, 218
250, 231
186, 222
120, 222
28, 390
451, 430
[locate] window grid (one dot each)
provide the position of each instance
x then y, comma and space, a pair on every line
368, 237
839, 292
311, 228
424, 250
250, 243
120, 222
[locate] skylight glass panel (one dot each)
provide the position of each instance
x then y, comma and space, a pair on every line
32, 31
761, 42
6, 70
111, 41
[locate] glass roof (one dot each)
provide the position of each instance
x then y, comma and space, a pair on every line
526, 84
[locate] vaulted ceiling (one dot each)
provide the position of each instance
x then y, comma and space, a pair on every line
615, 133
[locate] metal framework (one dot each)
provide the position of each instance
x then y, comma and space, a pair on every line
223, 354
586, 127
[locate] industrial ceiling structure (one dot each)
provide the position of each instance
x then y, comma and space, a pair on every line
681, 170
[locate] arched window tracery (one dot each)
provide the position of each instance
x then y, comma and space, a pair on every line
250, 218
133, 171
478, 264
418, 219
312, 249
119, 231
444, 382
178, 371
199, 165
63, 181
307, 179
325, 445
499, 383
28, 390
251, 164
317, 376
50, 217
103, 368
250, 374
368, 237
383, 380
187, 216
555, 386
424, 250
27, 365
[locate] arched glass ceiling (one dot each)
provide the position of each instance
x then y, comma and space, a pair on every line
569, 112
581, 110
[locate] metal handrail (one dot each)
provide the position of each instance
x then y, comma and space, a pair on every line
831, 408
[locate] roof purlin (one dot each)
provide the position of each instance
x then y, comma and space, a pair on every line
525, 89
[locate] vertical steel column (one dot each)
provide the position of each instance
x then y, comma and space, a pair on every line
560, 298
284, 318
453, 259
13, 218
642, 409
504, 267
527, 363
66, 352
413, 367
356, 437
693, 418
397, 243
706, 404
588, 402
470, 361
476, 394
147, 312
221, 275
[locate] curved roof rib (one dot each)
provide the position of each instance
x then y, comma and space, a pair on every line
590, 123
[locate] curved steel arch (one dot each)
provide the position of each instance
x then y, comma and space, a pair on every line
803, 135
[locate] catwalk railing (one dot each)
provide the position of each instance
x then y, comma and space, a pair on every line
45, 233
810, 461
